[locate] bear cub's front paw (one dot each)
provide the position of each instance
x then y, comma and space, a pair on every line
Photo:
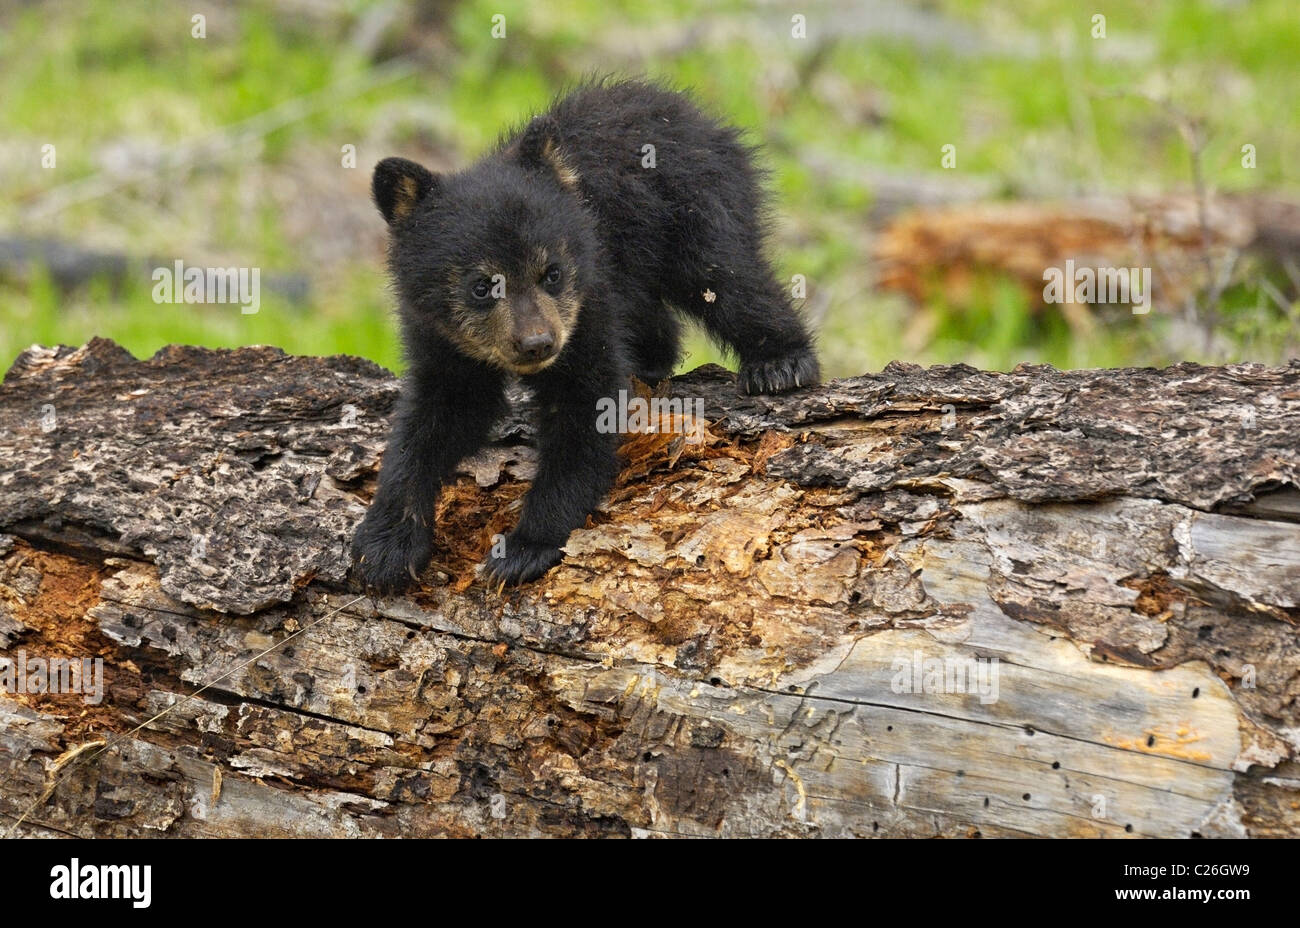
522, 561
389, 553
777, 375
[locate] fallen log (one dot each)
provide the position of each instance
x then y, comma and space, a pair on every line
924, 602
948, 249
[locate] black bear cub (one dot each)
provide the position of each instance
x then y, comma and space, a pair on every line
559, 259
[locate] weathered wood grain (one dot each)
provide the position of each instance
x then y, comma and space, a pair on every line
721, 651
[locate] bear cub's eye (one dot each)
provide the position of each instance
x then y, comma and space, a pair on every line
552, 276
482, 289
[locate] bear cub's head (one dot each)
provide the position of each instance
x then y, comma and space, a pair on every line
494, 260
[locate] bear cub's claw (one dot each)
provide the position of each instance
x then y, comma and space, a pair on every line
778, 375
388, 557
523, 561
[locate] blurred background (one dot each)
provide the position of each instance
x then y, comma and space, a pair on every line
929, 161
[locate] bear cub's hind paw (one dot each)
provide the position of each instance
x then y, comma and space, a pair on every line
779, 375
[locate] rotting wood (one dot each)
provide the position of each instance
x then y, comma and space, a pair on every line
719, 653
948, 249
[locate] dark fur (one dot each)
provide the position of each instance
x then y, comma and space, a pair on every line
633, 244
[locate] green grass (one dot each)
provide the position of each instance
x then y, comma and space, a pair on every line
350, 321
91, 76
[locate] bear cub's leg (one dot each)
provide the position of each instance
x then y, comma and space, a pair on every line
654, 340
440, 420
576, 467
728, 285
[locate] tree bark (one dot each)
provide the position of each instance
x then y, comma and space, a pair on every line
1096, 574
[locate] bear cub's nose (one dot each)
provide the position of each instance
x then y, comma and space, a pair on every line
537, 347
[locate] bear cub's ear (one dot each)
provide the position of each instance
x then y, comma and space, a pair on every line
398, 185
539, 149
